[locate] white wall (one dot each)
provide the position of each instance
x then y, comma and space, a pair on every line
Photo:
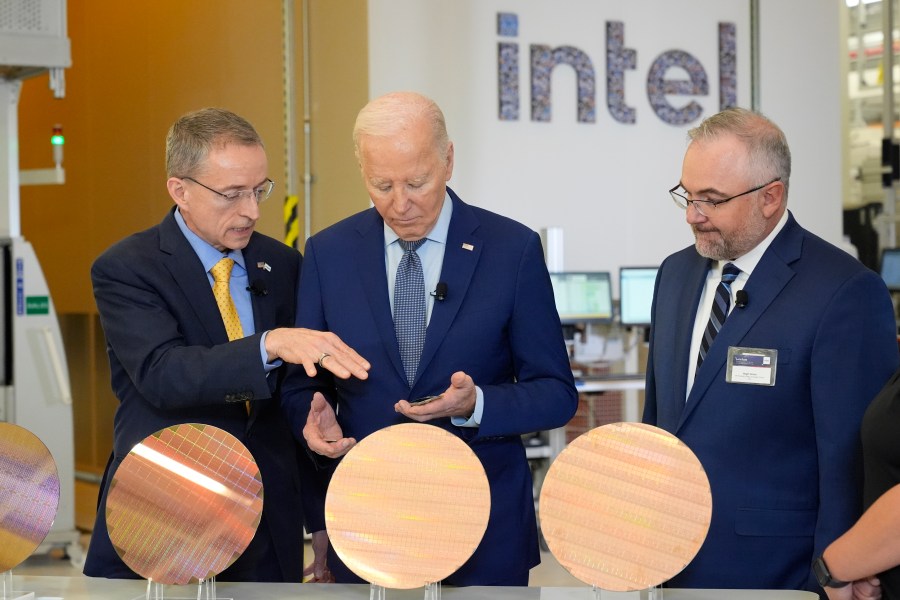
802, 89
605, 183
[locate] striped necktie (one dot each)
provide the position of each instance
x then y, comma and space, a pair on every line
721, 304
409, 307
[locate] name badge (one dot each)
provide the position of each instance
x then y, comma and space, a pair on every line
754, 366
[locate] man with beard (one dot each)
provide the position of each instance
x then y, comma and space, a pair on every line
767, 345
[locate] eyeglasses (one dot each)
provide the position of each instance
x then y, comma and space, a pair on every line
258, 194
683, 201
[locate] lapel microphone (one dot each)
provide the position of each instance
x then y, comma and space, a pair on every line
741, 299
440, 292
258, 288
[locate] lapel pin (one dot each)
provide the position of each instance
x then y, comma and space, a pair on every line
263, 265
468, 247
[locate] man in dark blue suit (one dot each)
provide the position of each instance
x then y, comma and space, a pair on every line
493, 346
169, 351
772, 403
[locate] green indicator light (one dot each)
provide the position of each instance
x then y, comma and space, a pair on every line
57, 140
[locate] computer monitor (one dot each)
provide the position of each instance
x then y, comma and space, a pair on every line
636, 294
890, 268
583, 297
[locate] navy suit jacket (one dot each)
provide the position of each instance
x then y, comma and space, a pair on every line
171, 363
498, 323
783, 461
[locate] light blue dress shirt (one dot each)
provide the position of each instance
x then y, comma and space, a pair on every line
238, 284
431, 254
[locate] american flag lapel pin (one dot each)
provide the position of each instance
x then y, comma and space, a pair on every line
264, 266
468, 247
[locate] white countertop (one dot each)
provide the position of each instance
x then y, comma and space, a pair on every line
78, 588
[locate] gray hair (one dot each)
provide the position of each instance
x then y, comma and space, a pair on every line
767, 147
193, 135
396, 111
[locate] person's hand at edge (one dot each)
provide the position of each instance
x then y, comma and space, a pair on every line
317, 571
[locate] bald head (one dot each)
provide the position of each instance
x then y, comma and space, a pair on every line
405, 160
393, 113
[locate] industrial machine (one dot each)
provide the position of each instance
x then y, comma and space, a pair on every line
35, 391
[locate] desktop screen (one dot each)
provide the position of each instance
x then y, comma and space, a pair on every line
582, 297
890, 268
636, 294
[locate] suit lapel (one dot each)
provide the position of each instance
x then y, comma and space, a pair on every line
769, 277
263, 305
685, 315
370, 264
460, 257
187, 271
188, 274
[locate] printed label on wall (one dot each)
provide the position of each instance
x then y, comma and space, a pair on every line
37, 305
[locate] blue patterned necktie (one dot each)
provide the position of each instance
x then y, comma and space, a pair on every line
721, 304
409, 307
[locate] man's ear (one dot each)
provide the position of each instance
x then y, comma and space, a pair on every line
449, 161
175, 186
773, 199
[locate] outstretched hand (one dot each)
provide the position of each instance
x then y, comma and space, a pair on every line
313, 349
458, 400
322, 432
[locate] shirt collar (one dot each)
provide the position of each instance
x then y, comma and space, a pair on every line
207, 254
438, 233
748, 262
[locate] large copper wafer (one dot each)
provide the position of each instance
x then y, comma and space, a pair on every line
184, 504
625, 507
407, 506
29, 494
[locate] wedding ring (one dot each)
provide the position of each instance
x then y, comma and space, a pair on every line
322, 359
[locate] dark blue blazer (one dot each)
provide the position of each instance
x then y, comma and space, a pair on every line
171, 363
783, 461
498, 323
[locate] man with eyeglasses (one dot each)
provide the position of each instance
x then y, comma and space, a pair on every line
189, 342
766, 347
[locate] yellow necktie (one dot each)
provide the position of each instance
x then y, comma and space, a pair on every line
221, 273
